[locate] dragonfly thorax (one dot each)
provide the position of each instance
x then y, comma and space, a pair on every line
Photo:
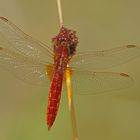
66, 37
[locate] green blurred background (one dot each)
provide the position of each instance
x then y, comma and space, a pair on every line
100, 25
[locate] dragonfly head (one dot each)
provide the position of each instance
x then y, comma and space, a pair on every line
66, 37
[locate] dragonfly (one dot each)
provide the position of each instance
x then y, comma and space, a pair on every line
38, 64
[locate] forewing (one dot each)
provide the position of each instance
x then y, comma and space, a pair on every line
91, 82
97, 60
24, 68
12, 38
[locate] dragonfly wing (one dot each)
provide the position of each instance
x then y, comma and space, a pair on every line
14, 39
23, 68
98, 60
91, 82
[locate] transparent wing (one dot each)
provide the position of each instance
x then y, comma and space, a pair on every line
97, 60
90, 82
12, 38
24, 68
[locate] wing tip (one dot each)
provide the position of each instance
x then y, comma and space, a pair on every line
131, 46
124, 75
4, 19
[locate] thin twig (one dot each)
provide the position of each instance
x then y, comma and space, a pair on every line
59, 7
71, 105
68, 82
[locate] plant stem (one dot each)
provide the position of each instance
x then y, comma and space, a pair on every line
69, 84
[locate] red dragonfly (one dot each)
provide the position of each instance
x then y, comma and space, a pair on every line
35, 63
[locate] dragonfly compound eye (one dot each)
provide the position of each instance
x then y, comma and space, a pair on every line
66, 37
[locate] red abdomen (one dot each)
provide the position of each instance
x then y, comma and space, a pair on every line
54, 98
61, 60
